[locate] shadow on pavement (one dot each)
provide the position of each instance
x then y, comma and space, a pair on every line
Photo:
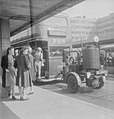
6, 113
9, 99
39, 83
85, 90
81, 90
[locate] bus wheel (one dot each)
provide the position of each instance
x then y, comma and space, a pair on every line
72, 84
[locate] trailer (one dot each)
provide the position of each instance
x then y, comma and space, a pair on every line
83, 67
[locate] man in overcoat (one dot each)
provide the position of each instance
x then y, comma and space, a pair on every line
4, 65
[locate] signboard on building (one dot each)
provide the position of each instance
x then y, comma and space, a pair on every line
56, 32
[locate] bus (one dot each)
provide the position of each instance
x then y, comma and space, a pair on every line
53, 36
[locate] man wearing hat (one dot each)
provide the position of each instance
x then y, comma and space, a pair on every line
38, 58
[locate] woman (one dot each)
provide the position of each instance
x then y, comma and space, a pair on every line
23, 75
9, 70
32, 71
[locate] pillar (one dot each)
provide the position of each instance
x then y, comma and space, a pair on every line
4, 44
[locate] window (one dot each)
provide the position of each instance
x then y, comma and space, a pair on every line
56, 51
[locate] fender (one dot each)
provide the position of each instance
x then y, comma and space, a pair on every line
104, 78
77, 77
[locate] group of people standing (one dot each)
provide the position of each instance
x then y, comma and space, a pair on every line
21, 70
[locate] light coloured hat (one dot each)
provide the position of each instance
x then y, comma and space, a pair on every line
39, 49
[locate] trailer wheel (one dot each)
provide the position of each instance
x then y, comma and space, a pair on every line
100, 83
72, 83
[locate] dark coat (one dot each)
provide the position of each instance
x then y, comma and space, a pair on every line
4, 65
23, 75
102, 60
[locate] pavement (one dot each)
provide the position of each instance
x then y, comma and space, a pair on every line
111, 77
45, 104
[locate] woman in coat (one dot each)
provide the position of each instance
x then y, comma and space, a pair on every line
32, 70
23, 75
11, 74
9, 71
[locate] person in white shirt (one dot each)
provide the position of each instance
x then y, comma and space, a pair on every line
38, 58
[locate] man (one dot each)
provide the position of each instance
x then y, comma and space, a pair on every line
38, 57
102, 61
4, 65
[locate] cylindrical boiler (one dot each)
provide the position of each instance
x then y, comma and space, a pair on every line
91, 58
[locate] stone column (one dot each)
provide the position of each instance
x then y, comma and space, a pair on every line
4, 44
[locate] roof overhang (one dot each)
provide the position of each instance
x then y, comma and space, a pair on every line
23, 13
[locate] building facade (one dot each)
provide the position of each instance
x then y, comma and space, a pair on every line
83, 30
105, 31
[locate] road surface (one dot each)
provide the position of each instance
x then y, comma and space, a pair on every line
103, 97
